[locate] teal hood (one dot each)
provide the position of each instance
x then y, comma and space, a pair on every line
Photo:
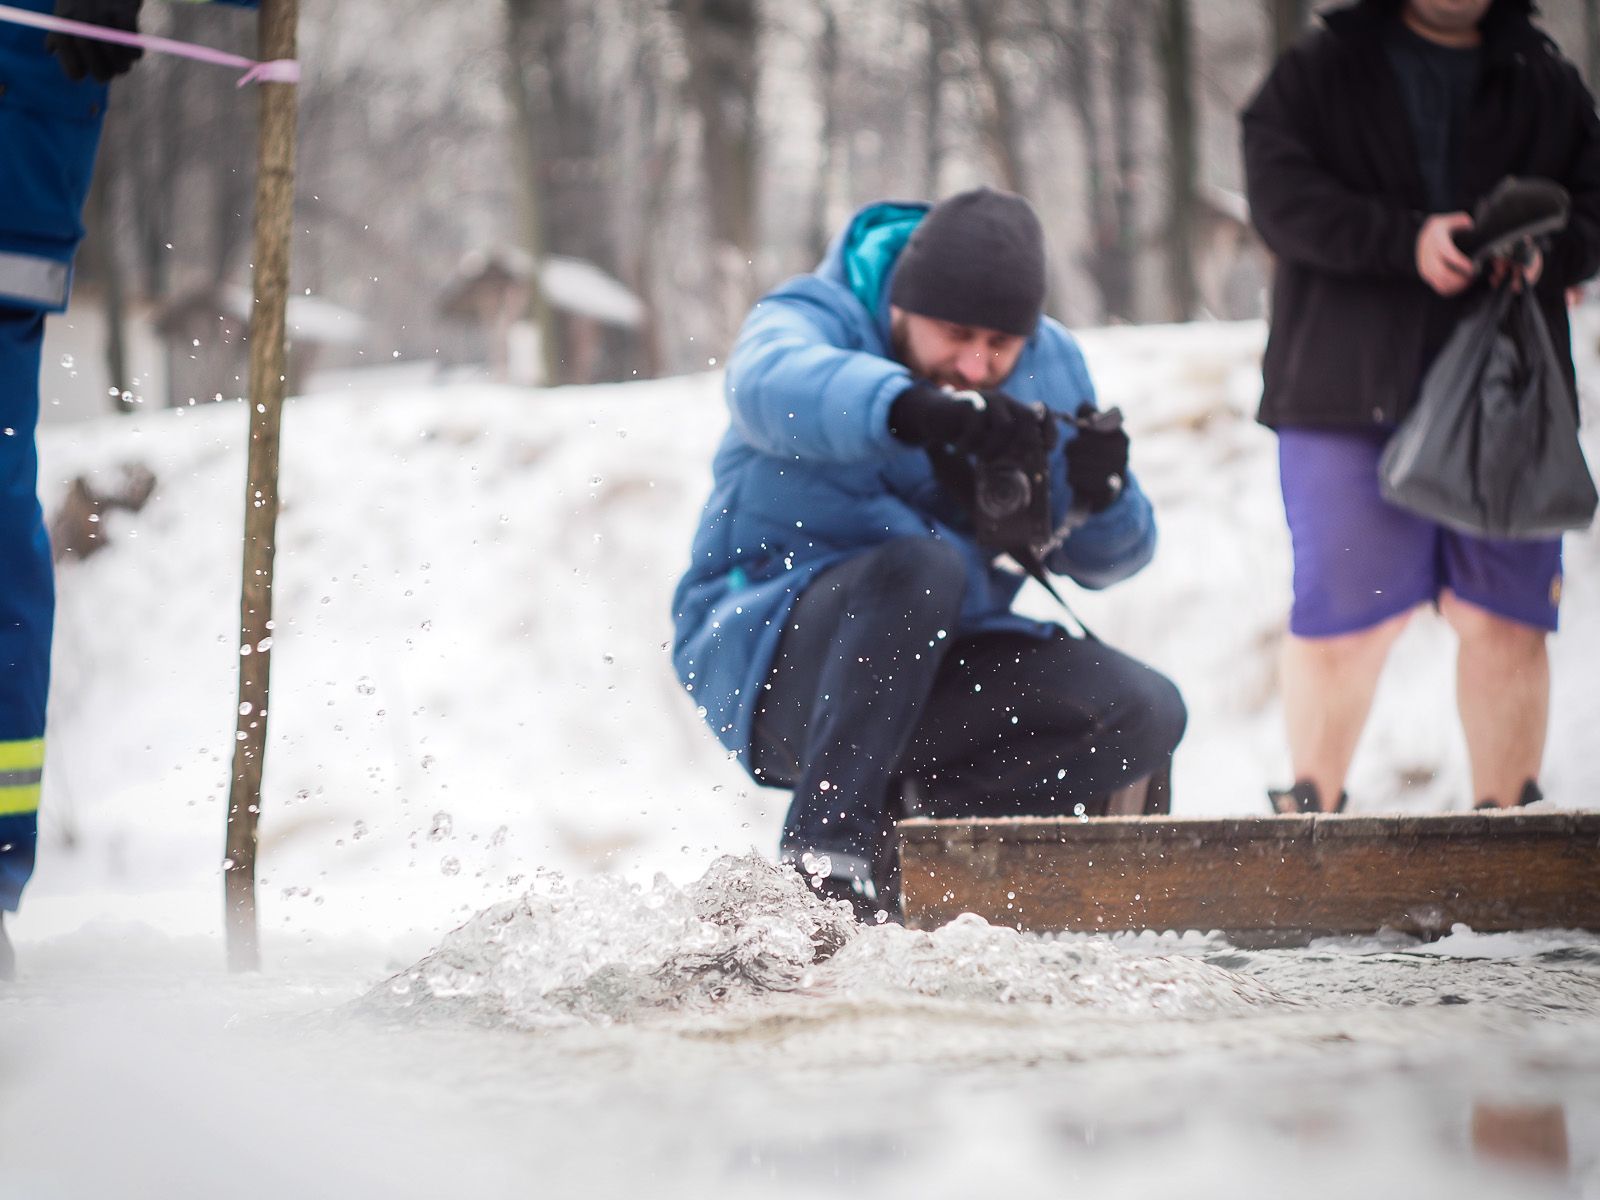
862, 256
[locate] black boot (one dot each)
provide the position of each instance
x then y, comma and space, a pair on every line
1300, 800
1530, 794
8, 956
860, 894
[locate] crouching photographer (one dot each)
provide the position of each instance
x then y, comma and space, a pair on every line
907, 431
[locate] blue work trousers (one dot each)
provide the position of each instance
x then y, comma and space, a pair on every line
27, 601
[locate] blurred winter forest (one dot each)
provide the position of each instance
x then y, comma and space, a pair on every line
667, 160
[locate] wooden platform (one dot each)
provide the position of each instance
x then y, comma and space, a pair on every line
1260, 880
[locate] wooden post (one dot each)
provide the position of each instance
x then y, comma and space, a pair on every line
268, 368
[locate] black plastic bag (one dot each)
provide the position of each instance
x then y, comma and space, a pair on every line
1491, 447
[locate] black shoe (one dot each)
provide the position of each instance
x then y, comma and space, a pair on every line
859, 894
1303, 799
1517, 210
1530, 794
8, 956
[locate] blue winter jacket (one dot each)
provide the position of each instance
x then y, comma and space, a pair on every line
49, 132
808, 474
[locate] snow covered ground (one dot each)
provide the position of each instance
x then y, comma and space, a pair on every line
472, 698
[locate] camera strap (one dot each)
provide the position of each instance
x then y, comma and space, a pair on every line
1029, 561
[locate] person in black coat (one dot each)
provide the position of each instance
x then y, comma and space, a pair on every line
1365, 149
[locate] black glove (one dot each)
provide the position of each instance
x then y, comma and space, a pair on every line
1517, 210
85, 56
1097, 458
986, 424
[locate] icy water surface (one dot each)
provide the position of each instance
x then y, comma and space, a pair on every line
738, 1037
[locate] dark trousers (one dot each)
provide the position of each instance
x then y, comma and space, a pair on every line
871, 688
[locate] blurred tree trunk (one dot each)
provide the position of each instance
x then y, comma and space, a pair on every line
657, 107
523, 18
721, 38
1000, 119
1591, 42
105, 264
154, 175
1289, 19
1075, 44
827, 101
186, 188
1071, 27
941, 44
575, 167
1121, 277
1175, 42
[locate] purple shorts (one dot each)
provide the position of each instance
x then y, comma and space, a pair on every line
1359, 560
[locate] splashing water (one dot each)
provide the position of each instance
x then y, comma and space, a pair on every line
601, 950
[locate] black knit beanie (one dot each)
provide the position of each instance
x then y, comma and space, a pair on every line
976, 259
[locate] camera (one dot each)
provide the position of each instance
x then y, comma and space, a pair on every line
1010, 492
1010, 503
1011, 500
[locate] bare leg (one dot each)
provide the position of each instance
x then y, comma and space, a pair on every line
1328, 685
1503, 692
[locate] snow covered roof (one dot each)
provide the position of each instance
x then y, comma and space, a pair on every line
309, 318
572, 285
580, 287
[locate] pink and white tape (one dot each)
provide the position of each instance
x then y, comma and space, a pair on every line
280, 70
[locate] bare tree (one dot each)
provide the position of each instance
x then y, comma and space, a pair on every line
941, 47
828, 102
721, 39
1175, 40
524, 19
654, 121
1591, 42
1289, 18
187, 189
101, 260
1073, 30
1000, 119
1121, 279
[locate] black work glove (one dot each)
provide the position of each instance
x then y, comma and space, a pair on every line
85, 56
986, 424
1097, 458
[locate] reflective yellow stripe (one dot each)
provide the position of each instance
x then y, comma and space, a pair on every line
22, 756
20, 764
19, 801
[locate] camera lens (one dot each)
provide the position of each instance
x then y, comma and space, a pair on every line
1002, 490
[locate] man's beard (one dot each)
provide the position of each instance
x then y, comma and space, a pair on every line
900, 342
900, 345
